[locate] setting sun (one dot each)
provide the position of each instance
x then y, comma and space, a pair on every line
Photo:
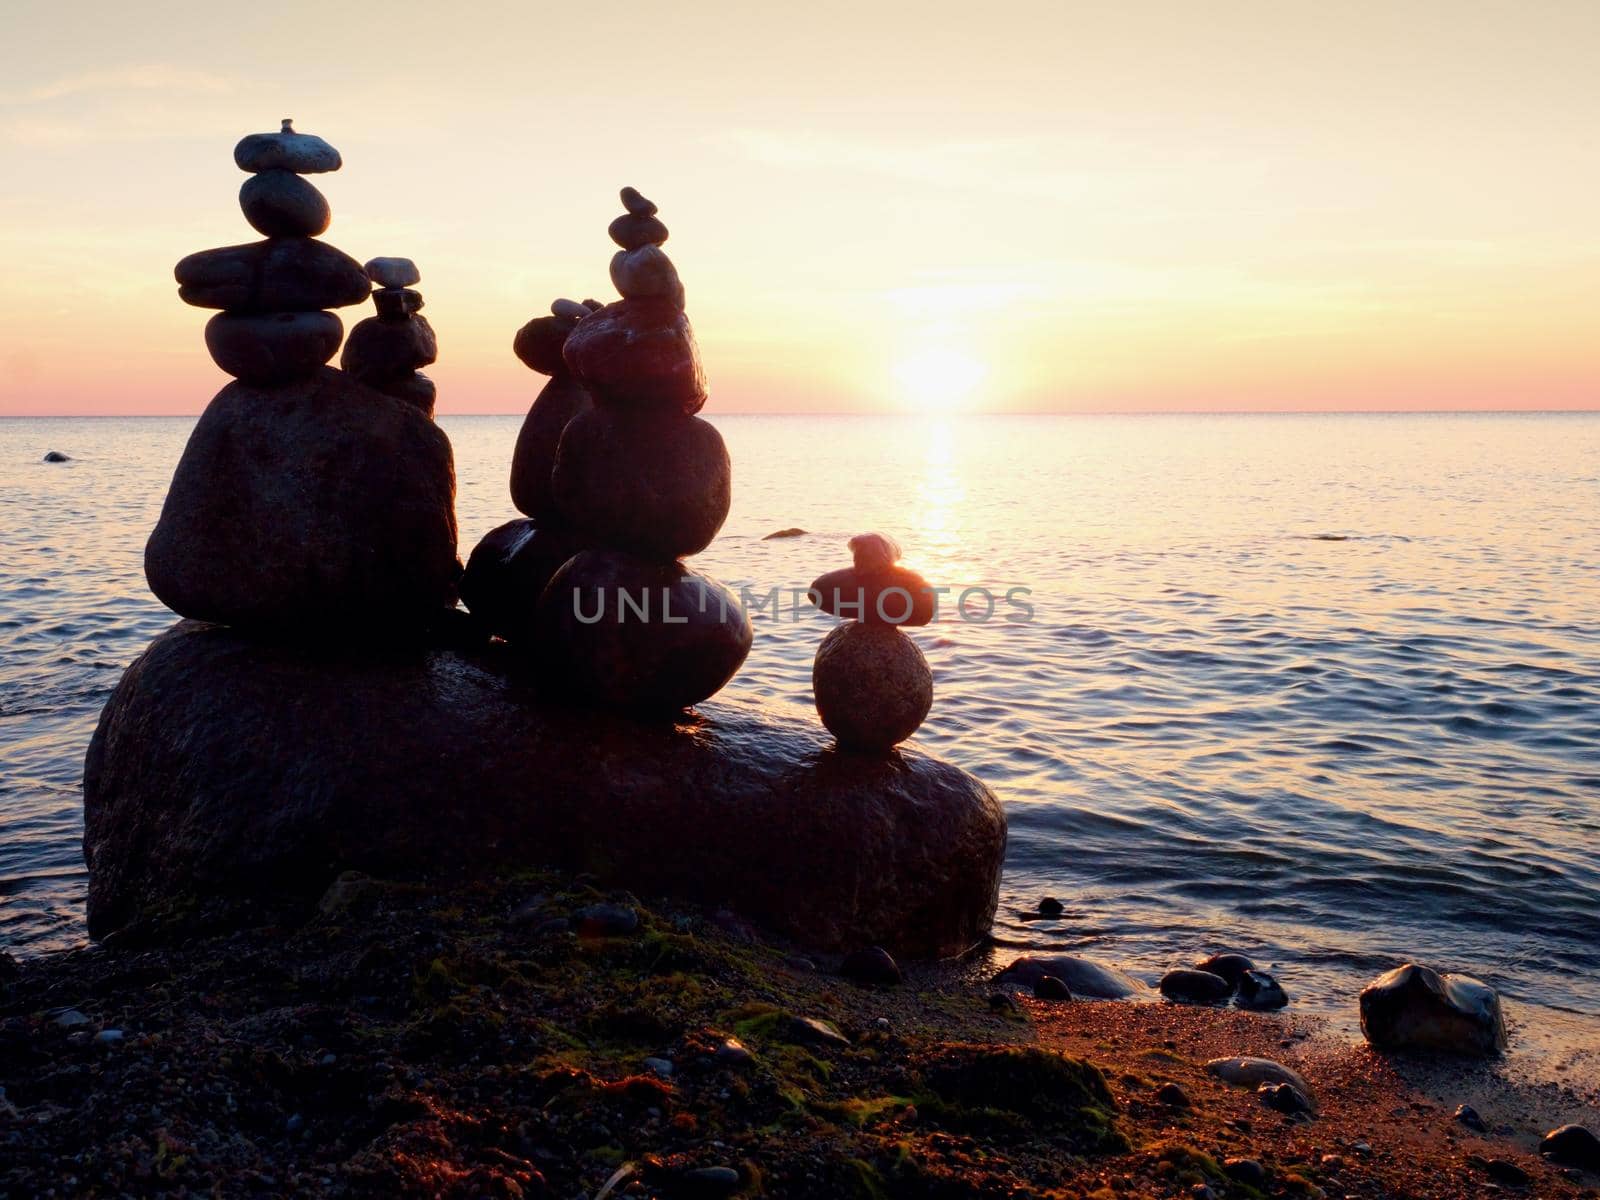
936, 379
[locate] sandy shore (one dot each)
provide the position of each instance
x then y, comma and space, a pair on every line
492, 1041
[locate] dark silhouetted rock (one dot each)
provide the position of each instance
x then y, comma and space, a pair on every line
1051, 907
379, 349
508, 572
1261, 992
1230, 966
1091, 980
656, 484
1572, 1146
277, 275
872, 685
538, 344
630, 231
637, 204
646, 274
571, 309
241, 778
395, 304
1051, 987
1416, 1008
1173, 1096
897, 596
1246, 1171
639, 353
1195, 987
272, 348
643, 636
533, 463
873, 965
320, 507
1284, 1098
286, 150
55, 456
280, 203
792, 532
415, 388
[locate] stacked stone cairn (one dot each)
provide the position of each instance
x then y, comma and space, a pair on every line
872, 685
306, 503
385, 351
621, 481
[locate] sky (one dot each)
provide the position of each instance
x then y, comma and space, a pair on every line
1139, 206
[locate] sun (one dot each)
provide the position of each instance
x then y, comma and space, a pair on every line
937, 379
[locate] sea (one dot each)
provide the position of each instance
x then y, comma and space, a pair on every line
1321, 689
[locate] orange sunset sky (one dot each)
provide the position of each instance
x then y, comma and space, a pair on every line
1067, 206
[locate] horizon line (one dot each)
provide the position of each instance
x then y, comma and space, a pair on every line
1014, 412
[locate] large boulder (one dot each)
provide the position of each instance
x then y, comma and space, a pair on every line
232, 780
1416, 1008
318, 507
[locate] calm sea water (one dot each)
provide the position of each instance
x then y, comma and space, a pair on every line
1322, 689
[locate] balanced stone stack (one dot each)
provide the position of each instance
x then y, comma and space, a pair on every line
872, 685
306, 503
620, 476
385, 351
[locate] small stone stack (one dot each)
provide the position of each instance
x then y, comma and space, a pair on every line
307, 505
637, 482
384, 352
872, 685
274, 327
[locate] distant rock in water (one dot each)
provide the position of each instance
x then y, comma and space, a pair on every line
1416, 1008
792, 532
230, 776
55, 456
1087, 980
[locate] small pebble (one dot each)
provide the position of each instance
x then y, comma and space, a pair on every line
1284, 1098
1173, 1096
1051, 907
108, 1037
1051, 988
1246, 1171
71, 1018
660, 1066
606, 920
712, 1181
1000, 1002
393, 272
733, 1052
1466, 1115
294, 1124
637, 204
570, 309
871, 965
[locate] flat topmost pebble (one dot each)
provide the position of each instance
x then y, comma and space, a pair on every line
569, 308
637, 204
393, 272
302, 153
874, 551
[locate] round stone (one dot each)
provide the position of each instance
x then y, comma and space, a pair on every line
1230, 966
874, 551
378, 348
641, 354
287, 274
1185, 986
655, 484
539, 344
643, 636
630, 231
267, 349
637, 204
280, 203
395, 304
897, 596
593, 305
302, 153
646, 274
1261, 992
507, 573
872, 686
534, 460
415, 388
392, 272
570, 309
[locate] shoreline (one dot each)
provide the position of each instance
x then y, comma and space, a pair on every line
492, 1040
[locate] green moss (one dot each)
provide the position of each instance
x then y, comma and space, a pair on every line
859, 1112
1001, 1087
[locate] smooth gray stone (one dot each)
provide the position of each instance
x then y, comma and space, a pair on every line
570, 309
872, 685
1195, 987
268, 349
1085, 978
637, 204
233, 778
646, 274
277, 275
392, 272
1253, 1072
630, 231
279, 203
1416, 1008
302, 153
